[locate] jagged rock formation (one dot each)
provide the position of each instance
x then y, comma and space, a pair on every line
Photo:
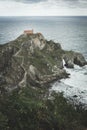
31, 59
72, 58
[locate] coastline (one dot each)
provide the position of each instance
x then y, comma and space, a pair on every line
29, 64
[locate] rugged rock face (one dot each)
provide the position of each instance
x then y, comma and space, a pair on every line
72, 58
31, 59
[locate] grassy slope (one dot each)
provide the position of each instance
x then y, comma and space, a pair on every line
30, 109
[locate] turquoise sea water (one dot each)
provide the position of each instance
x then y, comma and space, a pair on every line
71, 32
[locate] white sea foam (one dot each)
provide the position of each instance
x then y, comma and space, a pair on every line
74, 87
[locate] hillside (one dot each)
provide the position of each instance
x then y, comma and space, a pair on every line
31, 59
27, 67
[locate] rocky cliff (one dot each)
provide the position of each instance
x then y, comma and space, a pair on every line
31, 59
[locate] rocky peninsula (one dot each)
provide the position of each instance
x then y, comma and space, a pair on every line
31, 59
28, 65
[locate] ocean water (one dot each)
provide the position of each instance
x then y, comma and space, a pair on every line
71, 32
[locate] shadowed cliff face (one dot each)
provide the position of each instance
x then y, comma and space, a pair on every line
31, 59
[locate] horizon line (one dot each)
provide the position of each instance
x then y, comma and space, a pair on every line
44, 16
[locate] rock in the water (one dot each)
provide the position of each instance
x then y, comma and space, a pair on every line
72, 58
79, 59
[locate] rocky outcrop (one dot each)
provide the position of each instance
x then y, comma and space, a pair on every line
72, 58
32, 60
79, 59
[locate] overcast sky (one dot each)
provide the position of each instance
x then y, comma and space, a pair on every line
42, 7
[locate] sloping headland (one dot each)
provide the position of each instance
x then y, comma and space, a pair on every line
28, 65
31, 59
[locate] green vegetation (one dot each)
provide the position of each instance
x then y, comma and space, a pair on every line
23, 63
31, 109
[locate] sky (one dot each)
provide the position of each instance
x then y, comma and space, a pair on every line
43, 7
